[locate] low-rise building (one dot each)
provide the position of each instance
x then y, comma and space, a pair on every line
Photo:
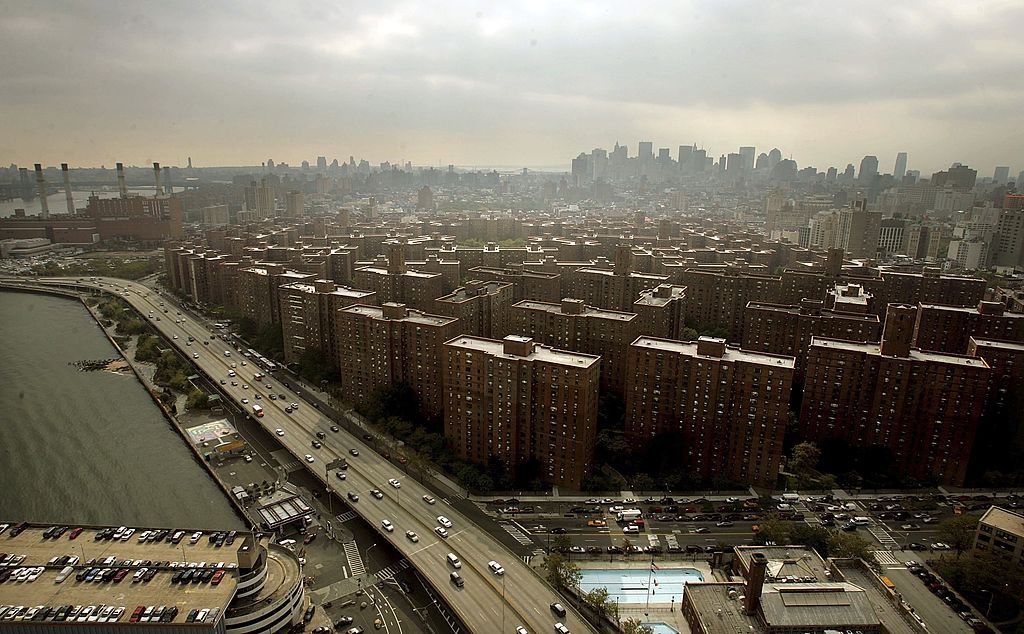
1001, 532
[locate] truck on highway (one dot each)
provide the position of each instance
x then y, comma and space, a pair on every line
258, 410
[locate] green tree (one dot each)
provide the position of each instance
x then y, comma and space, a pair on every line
815, 537
635, 626
772, 529
958, 532
598, 599
689, 334
197, 399
560, 572
804, 458
561, 543
851, 546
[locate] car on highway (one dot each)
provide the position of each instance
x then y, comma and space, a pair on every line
522, 630
413, 537
395, 483
724, 524
354, 452
335, 428
376, 493
560, 628
701, 530
428, 499
630, 529
321, 435
444, 521
310, 458
245, 401
295, 406
441, 531
558, 609
316, 444
387, 525
174, 336
353, 496
234, 383
288, 410
495, 567
340, 475
279, 431
223, 382
245, 386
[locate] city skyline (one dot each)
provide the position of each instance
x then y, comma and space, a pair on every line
530, 85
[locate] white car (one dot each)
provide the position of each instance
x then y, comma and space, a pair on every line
340, 475
413, 537
495, 567
444, 521
441, 531
195, 355
175, 336
395, 483
388, 526
279, 431
309, 458
428, 499
245, 401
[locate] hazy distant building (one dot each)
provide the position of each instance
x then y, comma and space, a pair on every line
259, 198
900, 170
1001, 176
859, 230
295, 204
868, 168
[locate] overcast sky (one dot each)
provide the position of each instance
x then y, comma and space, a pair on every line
510, 83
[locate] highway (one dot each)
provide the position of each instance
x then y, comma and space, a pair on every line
487, 602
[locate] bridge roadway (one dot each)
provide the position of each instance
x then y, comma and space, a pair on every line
487, 603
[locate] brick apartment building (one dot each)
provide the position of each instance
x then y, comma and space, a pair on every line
397, 283
536, 285
660, 311
308, 315
522, 403
729, 405
572, 325
384, 346
483, 308
949, 328
720, 297
787, 330
613, 289
922, 406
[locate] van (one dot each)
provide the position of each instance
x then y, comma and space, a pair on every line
453, 561
791, 497
861, 521
558, 609
457, 579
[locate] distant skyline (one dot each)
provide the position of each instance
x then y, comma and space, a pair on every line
513, 84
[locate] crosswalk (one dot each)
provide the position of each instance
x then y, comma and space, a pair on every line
391, 570
882, 535
291, 465
885, 557
346, 517
516, 534
355, 561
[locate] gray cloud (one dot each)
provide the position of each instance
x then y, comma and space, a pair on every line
530, 82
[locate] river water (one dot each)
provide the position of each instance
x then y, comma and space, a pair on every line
88, 447
58, 203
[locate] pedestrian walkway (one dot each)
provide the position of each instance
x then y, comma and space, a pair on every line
516, 534
884, 538
346, 517
536, 553
355, 561
886, 558
391, 570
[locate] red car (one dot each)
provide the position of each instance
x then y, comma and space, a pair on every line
136, 614
75, 533
217, 576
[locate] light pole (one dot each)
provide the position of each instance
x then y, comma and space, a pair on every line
366, 554
502, 603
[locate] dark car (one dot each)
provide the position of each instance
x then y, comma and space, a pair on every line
308, 616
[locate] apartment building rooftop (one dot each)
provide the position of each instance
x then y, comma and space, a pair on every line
1011, 346
915, 353
815, 310
575, 307
518, 347
711, 347
468, 292
661, 295
1004, 520
393, 311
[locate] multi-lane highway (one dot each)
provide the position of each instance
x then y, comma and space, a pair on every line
486, 603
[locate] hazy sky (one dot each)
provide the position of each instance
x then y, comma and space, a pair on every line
510, 83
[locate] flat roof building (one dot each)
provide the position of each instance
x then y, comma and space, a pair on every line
482, 308
1001, 533
529, 406
660, 311
949, 328
308, 315
728, 405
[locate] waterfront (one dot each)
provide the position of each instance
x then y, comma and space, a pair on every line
57, 201
88, 447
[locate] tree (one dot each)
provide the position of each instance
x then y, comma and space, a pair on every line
815, 537
635, 626
773, 530
851, 546
598, 599
626, 545
197, 399
958, 532
804, 459
561, 573
561, 543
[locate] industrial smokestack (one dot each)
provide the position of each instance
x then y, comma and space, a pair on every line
41, 190
755, 582
167, 180
120, 181
156, 175
67, 188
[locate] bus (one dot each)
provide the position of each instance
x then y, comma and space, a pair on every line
628, 515
258, 410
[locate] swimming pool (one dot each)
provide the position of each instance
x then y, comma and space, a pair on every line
631, 585
659, 627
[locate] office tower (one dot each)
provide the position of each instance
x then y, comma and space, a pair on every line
1002, 175
295, 204
645, 151
1020, 181
726, 406
700, 160
831, 175
380, 347
891, 238
942, 328
685, 156
748, 153
868, 168
957, 176
531, 408
482, 308
599, 163
664, 155
572, 325
582, 170
761, 165
900, 169
308, 315
321, 162
921, 407
859, 230
774, 156
735, 163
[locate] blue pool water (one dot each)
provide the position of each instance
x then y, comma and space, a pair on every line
631, 585
662, 628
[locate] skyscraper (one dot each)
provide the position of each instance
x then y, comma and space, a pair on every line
868, 168
748, 153
321, 162
774, 156
1002, 175
901, 166
645, 151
